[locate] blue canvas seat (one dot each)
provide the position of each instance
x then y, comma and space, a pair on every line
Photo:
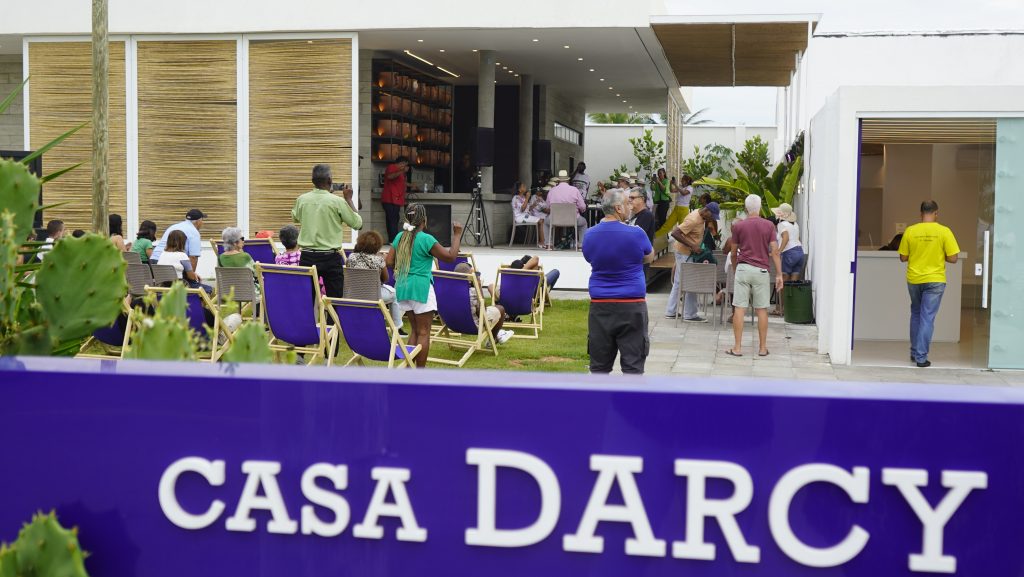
370, 332
294, 312
460, 326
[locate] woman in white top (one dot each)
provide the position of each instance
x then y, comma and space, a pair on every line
525, 211
789, 240
174, 253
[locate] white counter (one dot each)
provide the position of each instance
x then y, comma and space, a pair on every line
882, 303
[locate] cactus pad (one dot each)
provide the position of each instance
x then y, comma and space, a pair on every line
80, 286
19, 194
44, 548
250, 345
161, 338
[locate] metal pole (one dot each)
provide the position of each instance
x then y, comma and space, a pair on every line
100, 106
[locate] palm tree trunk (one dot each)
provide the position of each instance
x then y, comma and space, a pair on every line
100, 106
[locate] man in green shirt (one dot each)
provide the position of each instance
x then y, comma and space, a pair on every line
926, 247
321, 215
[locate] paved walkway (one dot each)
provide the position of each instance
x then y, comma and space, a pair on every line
698, 349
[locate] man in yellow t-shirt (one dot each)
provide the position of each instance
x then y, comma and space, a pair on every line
926, 248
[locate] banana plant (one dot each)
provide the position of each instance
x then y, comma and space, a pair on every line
774, 190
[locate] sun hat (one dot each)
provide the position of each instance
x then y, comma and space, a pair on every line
563, 176
785, 212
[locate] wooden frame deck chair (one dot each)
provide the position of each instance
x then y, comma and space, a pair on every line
450, 266
260, 249
460, 328
370, 332
519, 291
197, 304
294, 312
112, 340
241, 283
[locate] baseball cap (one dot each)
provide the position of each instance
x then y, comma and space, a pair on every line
195, 214
713, 208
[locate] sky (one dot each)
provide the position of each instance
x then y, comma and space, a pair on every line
750, 105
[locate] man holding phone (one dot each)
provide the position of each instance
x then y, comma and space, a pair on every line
321, 216
393, 196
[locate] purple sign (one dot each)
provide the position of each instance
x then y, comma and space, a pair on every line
189, 469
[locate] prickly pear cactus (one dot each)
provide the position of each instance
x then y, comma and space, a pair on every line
250, 344
10, 292
80, 287
44, 548
164, 339
19, 194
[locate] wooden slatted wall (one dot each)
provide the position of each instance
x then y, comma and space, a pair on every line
187, 132
300, 114
60, 98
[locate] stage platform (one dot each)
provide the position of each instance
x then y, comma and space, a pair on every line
574, 269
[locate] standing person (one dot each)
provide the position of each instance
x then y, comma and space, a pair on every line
926, 247
144, 240
580, 180
522, 213
789, 245
116, 231
191, 226
682, 195
688, 238
393, 196
412, 257
662, 198
321, 215
563, 193
753, 244
617, 322
642, 217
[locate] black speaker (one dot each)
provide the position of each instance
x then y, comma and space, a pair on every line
36, 168
439, 222
483, 146
541, 155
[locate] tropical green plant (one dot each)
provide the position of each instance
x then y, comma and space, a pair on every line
250, 344
695, 119
777, 189
649, 153
715, 160
44, 549
754, 159
622, 169
621, 118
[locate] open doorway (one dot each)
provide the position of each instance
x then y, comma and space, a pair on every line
902, 163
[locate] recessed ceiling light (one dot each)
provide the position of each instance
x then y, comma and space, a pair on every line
419, 40
618, 94
631, 106
442, 50
474, 50
517, 75
511, 71
504, 67
580, 59
309, 41
623, 101
591, 69
536, 39
602, 80
566, 46
497, 63
610, 88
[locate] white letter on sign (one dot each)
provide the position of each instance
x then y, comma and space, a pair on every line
486, 533
699, 507
856, 486
960, 484
212, 471
393, 479
311, 524
612, 469
261, 473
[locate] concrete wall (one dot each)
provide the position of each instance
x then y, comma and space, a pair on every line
12, 127
555, 108
607, 145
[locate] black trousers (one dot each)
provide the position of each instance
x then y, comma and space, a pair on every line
618, 328
392, 219
330, 267
661, 213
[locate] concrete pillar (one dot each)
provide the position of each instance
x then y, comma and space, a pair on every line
526, 129
485, 111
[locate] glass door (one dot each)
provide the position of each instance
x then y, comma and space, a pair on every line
1006, 249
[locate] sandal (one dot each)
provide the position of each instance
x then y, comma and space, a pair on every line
733, 353
764, 354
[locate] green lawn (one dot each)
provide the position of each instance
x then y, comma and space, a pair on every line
562, 346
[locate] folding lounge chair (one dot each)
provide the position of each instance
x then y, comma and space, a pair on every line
450, 266
261, 250
294, 313
197, 305
519, 291
112, 340
370, 332
457, 319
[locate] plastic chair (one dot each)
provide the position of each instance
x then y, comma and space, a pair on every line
455, 308
294, 313
240, 282
698, 278
197, 305
531, 231
519, 291
131, 257
370, 332
563, 215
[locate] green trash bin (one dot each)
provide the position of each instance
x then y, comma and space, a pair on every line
799, 305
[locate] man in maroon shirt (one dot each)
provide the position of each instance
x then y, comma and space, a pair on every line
753, 243
393, 196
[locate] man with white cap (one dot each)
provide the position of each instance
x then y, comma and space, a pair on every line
564, 193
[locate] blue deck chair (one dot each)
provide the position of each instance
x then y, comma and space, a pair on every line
294, 313
458, 322
521, 293
260, 249
112, 340
450, 266
204, 319
370, 333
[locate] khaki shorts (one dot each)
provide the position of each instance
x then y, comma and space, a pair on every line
493, 316
752, 283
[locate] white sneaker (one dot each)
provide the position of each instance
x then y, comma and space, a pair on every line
504, 336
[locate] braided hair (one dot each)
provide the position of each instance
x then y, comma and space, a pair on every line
415, 219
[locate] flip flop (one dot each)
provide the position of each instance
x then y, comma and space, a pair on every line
733, 353
764, 354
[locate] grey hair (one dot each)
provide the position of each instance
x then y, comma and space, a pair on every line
321, 174
639, 190
232, 236
753, 204
612, 198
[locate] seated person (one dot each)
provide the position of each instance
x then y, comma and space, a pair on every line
174, 253
528, 262
367, 255
522, 211
233, 255
289, 236
495, 315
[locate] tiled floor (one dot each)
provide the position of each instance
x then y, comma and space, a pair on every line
699, 349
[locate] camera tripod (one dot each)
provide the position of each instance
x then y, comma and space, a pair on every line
476, 222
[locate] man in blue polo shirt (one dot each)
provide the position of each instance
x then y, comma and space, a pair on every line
193, 243
617, 323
